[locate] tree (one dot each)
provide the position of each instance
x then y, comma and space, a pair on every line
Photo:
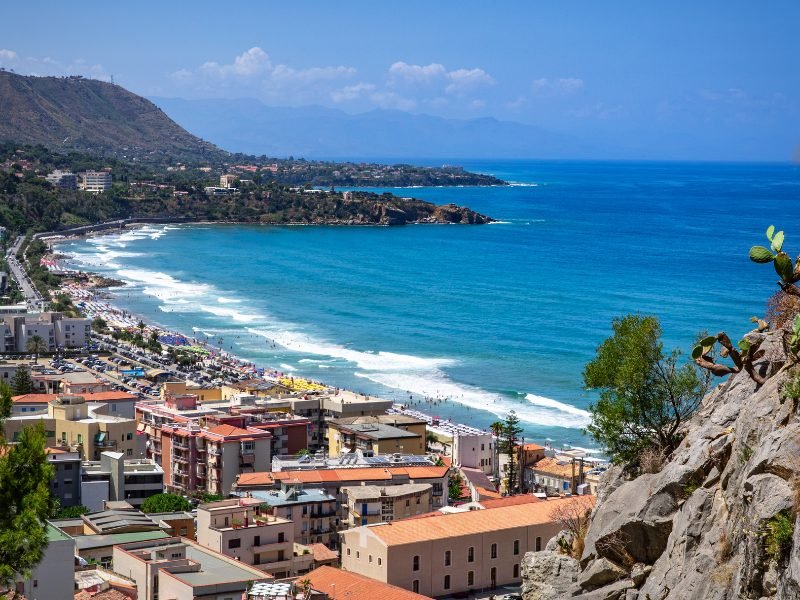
645, 395
25, 503
22, 382
430, 439
70, 512
99, 324
165, 503
36, 345
454, 487
510, 432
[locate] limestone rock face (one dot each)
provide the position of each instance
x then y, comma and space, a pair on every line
697, 529
548, 575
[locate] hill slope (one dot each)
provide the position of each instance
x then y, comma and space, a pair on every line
248, 125
93, 116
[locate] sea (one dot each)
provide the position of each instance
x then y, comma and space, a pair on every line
470, 322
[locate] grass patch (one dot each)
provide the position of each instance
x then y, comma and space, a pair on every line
780, 530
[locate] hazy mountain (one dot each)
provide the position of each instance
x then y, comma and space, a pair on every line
92, 116
249, 126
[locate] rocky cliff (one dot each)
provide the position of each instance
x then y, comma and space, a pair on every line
717, 522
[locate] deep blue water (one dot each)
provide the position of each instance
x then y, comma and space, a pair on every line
493, 317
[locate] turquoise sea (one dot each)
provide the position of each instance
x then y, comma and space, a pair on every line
490, 318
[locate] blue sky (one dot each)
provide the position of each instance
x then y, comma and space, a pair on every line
701, 79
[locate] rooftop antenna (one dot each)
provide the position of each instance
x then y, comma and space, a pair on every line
112, 79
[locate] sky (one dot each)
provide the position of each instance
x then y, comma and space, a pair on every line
710, 79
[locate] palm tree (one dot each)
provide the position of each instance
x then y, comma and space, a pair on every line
36, 345
141, 326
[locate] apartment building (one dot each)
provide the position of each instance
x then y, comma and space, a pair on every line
114, 478
83, 427
476, 451
380, 434
179, 569
52, 328
199, 458
95, 181
370, 504
63, 180
313, 511
453, 553
242, 529
227, 181
120, 404
555, 475
66, 485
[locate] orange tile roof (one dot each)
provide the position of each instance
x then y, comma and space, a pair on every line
111, 594
340, 475
89, 397
510, 501
411, 531
532, 447
344, 584
484, 493
322, 553
552, 466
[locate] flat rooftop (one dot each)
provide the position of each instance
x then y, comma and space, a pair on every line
367, 492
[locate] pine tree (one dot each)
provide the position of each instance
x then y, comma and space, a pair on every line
22, 382
510, 434
25, 498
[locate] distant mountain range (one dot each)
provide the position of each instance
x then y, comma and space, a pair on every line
72, 113
250, 126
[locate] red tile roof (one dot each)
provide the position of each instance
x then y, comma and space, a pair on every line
322, 553
344, 584
509, 501
89, 397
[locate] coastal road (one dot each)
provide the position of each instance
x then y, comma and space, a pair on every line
32, 297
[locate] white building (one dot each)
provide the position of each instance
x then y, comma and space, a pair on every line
63, 180
53, 577
475, 451
95, 181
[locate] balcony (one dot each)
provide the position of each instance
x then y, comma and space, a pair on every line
180, 458
180, 444
247, 459
271, 547
214, 451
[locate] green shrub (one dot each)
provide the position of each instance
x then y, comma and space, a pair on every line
780, 530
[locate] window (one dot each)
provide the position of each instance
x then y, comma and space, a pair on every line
370, 558
68, 467
447, 582
516, 571
494, 551
415, 586
234, 543
408, 502
257, 540
358, 554
35, 583
471, 578
471, 554
185, 531
113, 407
281, 537
348, 552
379, 561
415, 564
538, 544
80, 436
516, 547
128, 452
68, 482
447, 558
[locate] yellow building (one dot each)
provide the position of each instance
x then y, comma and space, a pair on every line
87, 428
382, 434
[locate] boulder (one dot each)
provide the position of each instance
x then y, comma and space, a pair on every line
548, 575
599, 573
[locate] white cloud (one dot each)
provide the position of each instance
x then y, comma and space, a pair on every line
556, 87
352, 92
463, 80
311, 75
7, 55
252, 62
401, 72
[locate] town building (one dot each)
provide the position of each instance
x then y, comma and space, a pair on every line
370, 504
453, 553
179, 569
556, 475
52, 329
227, 181
53, 577
63, 180
313, 511
79, 426
66, 485
241, 529
115, 478
476, 451
380, 434
95, 181
120, 404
